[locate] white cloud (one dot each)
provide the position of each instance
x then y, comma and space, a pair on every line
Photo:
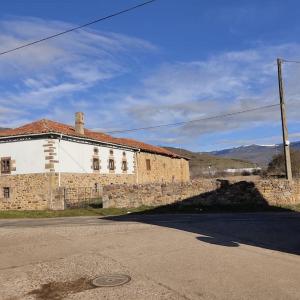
56, 69
228, 82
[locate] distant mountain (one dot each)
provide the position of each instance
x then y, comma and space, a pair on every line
203, 162
258, 154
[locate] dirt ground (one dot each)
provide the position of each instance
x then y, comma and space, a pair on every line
209, 256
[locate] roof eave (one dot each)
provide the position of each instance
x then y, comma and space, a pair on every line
165, 154
65, 135
90, 139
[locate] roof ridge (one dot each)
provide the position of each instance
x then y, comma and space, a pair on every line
45, 121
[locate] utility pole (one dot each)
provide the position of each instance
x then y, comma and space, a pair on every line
286, 143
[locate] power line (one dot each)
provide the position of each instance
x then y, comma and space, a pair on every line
192, 121
291, 61
76, 28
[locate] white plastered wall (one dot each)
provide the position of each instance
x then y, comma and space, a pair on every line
28, 155
75, 157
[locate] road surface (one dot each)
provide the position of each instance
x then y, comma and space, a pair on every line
168, 256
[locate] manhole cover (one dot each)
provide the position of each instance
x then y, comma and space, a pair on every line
111, 280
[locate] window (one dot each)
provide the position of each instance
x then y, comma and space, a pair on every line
6, 192
5, 165
111, 164
124, 165
96, 164
124, 153
96, 150
111, 152
148, 164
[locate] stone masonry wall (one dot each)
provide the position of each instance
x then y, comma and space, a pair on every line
204, 191
27, 192
162, 169
40, 191
70, 180
76, 189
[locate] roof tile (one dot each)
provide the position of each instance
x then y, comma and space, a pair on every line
47, 126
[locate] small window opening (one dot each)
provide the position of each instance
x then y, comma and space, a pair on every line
124, 153
5, 165
96, 164
111, 152
111, 164
6, 192
124, 165
96, 150
148, 164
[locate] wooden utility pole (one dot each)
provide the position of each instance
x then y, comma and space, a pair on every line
286, 143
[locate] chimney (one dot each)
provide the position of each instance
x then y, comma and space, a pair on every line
79, 122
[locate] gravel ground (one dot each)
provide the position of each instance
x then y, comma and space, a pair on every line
20, 282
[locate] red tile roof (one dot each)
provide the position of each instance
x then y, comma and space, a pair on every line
47, 126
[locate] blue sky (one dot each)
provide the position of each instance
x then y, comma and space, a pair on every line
167, 62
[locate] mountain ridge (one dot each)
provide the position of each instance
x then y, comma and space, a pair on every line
258, 154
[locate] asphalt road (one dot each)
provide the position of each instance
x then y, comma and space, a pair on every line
178, 256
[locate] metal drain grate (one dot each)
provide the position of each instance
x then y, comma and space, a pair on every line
111, 280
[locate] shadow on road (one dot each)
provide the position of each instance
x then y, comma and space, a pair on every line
216, 241
265, 226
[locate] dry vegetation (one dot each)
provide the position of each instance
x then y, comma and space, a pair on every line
200, 162
276, 166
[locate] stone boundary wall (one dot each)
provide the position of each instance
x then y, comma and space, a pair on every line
40, 192
204, 191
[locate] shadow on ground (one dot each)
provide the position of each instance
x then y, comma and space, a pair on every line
249, 219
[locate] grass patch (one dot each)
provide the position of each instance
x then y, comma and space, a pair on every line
175, 208
76, 212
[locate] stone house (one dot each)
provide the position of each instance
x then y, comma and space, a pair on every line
42, 156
